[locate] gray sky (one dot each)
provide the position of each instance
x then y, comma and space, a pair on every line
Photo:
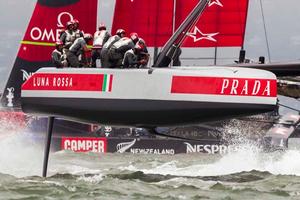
282, 18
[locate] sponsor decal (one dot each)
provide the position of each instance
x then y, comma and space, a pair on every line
72, 82
26, 75
152, 151
215, 2
127, 146
81, 144
107, 82
208, 148
10, 96
198, 35
45, 34
122, 147
224, 86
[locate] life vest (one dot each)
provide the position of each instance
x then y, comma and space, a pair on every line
100, 37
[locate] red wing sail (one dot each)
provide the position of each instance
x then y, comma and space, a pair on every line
48, 20
151, 19
221, 25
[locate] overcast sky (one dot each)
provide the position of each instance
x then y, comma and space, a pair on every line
282, 23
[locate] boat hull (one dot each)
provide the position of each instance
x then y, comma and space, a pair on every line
144, 98
139, 113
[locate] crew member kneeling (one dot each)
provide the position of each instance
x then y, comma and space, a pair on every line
79, 49
57, 56
131, 57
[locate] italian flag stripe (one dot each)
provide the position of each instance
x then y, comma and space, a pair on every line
107, 83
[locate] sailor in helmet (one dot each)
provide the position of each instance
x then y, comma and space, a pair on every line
57, 56
131, 57
77, 32
100, 38
120, 33
78, 54
68, 36
119, 48
143, 56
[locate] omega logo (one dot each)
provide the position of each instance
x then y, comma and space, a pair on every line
45, 34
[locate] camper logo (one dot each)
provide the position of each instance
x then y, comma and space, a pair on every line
26, 75
124, 146
10, 96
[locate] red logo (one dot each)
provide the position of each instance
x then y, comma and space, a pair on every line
82, 144
72, 82
224, 86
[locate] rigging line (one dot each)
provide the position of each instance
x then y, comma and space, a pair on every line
174, 16
265, 30
294, 109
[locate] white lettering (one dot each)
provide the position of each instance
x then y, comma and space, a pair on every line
40, 81
256, 88
26, 75
49, 35
152, 151
34, 36
97, 146
245, 88
210, 149
224, 85
235, 84
267, 89
59, 17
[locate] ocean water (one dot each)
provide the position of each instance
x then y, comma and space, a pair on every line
248, 173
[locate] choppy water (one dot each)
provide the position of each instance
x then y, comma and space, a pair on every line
246, 174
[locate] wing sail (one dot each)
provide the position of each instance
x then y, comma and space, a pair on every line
48, 20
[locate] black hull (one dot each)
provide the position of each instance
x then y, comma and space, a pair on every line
139, 113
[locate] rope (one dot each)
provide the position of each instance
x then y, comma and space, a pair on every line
265, 30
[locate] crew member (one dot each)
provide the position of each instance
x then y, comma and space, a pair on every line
100, 38
79, 49
77, 32
118, 49
112, 40
68, 36
57, 55
131, 57
143, 55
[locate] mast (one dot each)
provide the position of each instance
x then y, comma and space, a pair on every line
176, 40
